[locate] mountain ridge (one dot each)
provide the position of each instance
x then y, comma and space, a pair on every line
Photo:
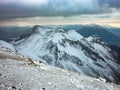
70, 50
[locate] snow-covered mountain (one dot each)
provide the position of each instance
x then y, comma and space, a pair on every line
71, 51
108, 34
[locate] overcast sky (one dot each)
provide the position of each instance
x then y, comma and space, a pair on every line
31, 12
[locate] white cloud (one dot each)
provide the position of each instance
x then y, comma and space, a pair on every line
26, 2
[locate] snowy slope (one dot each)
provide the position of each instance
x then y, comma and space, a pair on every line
71, 51
4, 44
21, 75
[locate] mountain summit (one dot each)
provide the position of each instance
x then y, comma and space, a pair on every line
71, 51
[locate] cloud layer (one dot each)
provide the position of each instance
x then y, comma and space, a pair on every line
14, 10
23, 8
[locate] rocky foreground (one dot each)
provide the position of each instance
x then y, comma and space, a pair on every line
17, 73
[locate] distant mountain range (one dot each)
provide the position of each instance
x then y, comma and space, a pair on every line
112, 40
9, 33
115, 31
108, 34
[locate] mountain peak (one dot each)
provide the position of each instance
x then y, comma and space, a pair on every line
70, 50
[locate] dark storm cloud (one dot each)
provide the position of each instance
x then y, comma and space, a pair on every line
33, 8
110, 3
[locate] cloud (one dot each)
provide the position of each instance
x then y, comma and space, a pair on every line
25, 2
59, 12
110, 19
62, 10
30, 8
110, 3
